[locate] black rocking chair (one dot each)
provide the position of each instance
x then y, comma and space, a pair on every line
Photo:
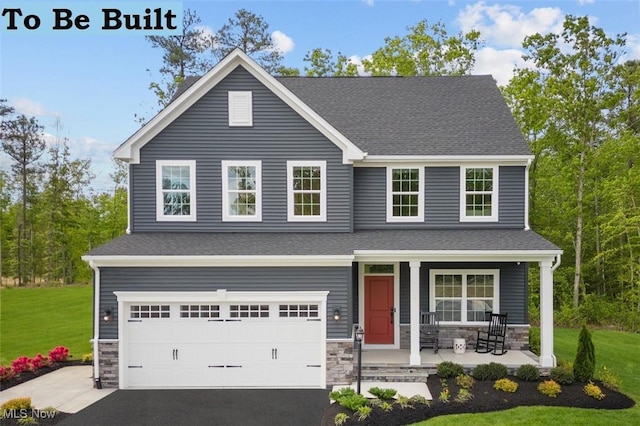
429, 331
493, 339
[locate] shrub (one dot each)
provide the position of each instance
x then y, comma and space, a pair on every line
363, 412
348, 398
383, 393
419, 399
609, 379
550, 388
6, 373
585, 364
28, 420
465, 381
448, 369
444, 395
562, 374
87, 358
20, 365
17, 404
404, 402
38, 362
528, 373
505, 385
593, 390
464, 395
340, 419
59, 353
491, 371
534, 340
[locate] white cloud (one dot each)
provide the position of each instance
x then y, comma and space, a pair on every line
507, 25
282, 42
28, 107
369, 2
357, 61
499, 63
583, 2
633, 47
206, 36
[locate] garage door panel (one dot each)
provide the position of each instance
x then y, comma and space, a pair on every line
185, 349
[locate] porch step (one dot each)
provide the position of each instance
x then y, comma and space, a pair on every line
387, 373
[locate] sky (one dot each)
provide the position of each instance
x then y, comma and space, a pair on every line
94, 85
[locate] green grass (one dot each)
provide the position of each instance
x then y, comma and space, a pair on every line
617, 351
35, 320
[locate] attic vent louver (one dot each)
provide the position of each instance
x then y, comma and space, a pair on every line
240, 109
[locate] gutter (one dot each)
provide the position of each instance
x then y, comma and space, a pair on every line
96, 324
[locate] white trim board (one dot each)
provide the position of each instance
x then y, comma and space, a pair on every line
218, 261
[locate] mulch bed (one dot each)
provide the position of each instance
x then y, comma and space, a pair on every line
485, 399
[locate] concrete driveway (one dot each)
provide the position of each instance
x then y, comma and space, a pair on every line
226, 407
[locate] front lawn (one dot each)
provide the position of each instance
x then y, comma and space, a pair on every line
37, 319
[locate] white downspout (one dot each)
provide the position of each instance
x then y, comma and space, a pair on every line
129, 195
558, 261
526, 196
96, 320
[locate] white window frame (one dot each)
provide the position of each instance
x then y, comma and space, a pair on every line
291, 216
464, 273
160, 216
390, 216
494, 194
226, 216
240, 108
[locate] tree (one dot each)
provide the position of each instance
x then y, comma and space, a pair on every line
585, 363
576, 68
22, 140
183, 54
425, 50
322, 64
250, 33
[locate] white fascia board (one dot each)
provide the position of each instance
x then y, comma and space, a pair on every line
218, 261
221, 295
444, 160
456, 255
130, 149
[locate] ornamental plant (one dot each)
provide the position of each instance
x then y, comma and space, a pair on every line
448, 369
505, 385
58, 354
20, 365
528, 373
463, 395
550, 388
610, 379
6, 373
593, 390
383, 393
465, 381
585, 364
38, 362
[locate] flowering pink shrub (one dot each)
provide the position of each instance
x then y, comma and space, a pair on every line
6, 373
59, 353
39, 362
20, 364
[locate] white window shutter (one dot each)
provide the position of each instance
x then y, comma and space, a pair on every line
240, 109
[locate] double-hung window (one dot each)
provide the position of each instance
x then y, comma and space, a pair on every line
464, 296
242, 191
405, 194
479, 194
307, 191
176, 190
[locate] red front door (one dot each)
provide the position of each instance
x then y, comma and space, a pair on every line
378, 310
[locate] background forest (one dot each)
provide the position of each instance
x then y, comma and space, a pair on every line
577, 103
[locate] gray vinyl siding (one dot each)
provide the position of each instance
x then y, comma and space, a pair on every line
513, 288
278, 134
336, 280
442, 199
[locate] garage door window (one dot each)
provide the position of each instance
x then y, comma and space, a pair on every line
199, 311
299, 311
249, 311
150, 311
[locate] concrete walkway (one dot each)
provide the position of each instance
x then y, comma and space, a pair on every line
69, 389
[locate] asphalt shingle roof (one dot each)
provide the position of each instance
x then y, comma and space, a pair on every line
440, 115
283, 244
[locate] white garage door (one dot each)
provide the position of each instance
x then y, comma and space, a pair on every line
223, 344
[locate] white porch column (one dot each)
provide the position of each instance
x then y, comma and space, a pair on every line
547, 358
414, 358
